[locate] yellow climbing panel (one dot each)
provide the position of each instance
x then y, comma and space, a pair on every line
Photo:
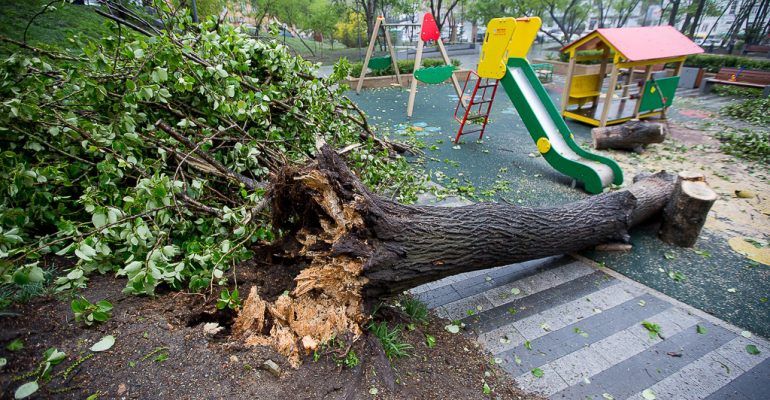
523, 37
506, 37
494, 50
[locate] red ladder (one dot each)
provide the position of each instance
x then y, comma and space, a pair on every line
480, 111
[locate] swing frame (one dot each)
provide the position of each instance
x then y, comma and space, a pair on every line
424, 37
370, 50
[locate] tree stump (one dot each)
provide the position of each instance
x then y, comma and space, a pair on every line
632, 135
686, 211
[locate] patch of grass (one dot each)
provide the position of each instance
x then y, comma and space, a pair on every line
390, 339
415, 309
737, 91
15, 293
51, 29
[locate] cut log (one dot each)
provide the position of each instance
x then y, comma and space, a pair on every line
686, 212
611, 247
632, 135
361, 247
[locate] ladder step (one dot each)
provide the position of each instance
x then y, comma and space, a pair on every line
466, 133
480, 102
476, 116
487, 86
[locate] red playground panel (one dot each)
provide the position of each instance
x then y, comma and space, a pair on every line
429, 28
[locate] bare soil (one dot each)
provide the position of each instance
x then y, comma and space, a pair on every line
162, 352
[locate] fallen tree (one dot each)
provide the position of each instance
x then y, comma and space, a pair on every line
361, 246
633, 135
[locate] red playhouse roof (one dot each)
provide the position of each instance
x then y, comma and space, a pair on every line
640, 43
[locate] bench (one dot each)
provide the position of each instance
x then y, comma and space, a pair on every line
756, 48
739, 77
544, 72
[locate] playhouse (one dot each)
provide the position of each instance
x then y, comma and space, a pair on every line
630, 57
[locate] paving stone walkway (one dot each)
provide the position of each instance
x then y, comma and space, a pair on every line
581, 325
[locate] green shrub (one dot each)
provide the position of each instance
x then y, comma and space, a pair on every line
713, 62
404, 67
564, 57
737, 91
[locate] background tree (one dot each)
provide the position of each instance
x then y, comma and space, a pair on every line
350, 28
441, 10
624, 9
570, 17
323, 17
603, 7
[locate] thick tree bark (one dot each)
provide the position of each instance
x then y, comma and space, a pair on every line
686, 212
632, 135
361, 246
404, 246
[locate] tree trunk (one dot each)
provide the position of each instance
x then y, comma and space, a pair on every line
633, 135
361, 247
674, 11
686, 213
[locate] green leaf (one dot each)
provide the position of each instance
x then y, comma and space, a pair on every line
54, 356
36, 275
3, 362
15, 345
26, 390
648, 394
537, 372
79, 305
701, 329
752, 349
486, 389
654, 329
104, 305
452, 328
21, 276
100, 316
515, 291
528, 345
430, 341
99, 219
105, 344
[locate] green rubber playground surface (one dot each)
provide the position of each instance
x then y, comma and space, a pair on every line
505, 166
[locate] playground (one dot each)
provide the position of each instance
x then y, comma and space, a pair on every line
506, 165
464, 204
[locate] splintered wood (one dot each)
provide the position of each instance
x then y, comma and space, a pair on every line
326, 301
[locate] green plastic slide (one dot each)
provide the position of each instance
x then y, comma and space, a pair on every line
551, 134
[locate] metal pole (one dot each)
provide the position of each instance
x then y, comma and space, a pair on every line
194, 11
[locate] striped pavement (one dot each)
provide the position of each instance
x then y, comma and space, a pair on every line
581, 327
